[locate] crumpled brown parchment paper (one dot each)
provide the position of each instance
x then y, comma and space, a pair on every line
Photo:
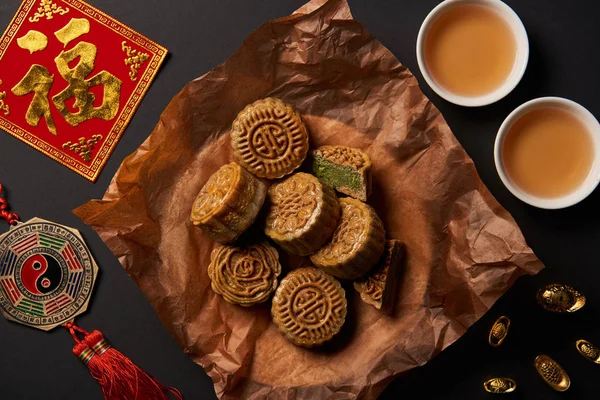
464, 249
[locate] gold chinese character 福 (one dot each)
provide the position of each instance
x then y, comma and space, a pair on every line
39, 81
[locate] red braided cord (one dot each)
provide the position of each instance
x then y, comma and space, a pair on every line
74, 329
11, 218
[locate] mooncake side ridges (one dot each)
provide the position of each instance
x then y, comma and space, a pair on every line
244, 204
213, 195
309, 307
228, 203
245, 275
302, 214
357, 243
269, 138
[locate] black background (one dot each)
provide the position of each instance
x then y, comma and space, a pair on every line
564, 61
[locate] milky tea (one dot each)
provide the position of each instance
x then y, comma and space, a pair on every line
548, 152
470, 50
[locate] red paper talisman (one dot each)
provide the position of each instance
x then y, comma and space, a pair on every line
71, 78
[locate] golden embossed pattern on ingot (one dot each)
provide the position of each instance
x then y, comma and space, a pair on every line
301, 214
228, 203
269, 138
244, 275
560, 298
552, 373
500, 385
499, 331
588, 350
309, 307
357, 242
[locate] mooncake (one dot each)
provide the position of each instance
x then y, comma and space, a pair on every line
309, 307
302, 214
228, 203
269, 138
357, 242
244, 275
346, 169
378, 288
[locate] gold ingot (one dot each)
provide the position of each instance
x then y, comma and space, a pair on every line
552, 373
588, 350
560, 298
500, 385
499, 331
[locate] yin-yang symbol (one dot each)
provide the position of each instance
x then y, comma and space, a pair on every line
41, 274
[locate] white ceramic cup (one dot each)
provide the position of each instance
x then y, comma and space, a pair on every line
521, 59
593, 128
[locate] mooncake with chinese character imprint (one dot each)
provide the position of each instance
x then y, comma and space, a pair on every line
346, 169
357, 242
269, 138
309, 307
228, 203
378, 288
244, 275
302, 214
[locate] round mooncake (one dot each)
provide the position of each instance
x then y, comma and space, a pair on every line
357, 243
244, 275
302, 214
228, 203
269, 138
309, 307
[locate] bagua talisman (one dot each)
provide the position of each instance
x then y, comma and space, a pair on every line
47, 274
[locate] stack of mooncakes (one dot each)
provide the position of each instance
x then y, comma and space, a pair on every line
300, 212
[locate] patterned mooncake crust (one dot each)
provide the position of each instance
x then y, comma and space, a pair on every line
302, 214
309, 307
269, 138
244, 275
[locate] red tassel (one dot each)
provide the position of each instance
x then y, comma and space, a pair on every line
118, 376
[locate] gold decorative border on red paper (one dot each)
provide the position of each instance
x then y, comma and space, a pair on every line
159, 53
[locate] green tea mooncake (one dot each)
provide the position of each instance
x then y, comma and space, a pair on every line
346, 169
